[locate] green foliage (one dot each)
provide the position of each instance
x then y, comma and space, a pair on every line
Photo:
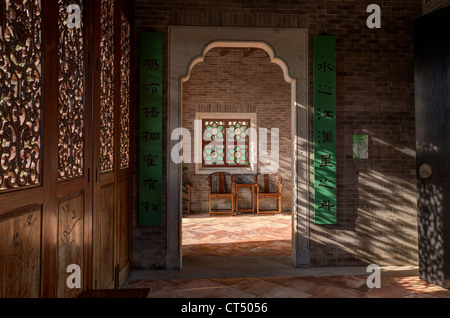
185, 183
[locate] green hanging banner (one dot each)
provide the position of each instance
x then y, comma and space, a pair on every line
150, 128
325, 201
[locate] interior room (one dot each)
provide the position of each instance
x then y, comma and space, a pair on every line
220, 149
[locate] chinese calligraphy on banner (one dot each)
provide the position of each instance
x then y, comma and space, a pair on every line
150, 129
325, 201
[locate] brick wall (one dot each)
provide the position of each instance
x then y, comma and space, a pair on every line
433, 5
375, 96
255, 84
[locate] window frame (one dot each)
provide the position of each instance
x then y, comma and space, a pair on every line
226, 142
200, 143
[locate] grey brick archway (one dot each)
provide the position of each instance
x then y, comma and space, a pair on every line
289, 49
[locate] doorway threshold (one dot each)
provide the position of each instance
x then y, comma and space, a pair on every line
207, 267
239, 266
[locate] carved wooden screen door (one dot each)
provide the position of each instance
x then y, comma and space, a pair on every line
111, 144
45, 132
64, 146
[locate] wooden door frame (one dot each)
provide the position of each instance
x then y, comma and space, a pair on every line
49, 158
96, 87
89, 67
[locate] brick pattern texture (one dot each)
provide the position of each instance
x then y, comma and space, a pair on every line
377, 210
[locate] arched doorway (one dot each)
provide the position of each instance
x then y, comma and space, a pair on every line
239, 88
188, 46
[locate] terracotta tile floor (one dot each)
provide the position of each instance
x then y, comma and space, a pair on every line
225, 237
241, 235
392, 286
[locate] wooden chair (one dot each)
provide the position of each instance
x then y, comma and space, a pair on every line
221, 186
265, 192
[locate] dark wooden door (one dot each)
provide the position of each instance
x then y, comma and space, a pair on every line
112, 253
64, 147
45, 191
432, 73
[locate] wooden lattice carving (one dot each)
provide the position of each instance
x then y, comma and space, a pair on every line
71, 94
125, 93
20, 94
107, 86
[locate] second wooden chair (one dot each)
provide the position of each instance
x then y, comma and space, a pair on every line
265, 192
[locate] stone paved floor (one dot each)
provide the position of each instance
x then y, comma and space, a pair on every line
225, 237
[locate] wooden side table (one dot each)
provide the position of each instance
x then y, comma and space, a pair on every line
251, 186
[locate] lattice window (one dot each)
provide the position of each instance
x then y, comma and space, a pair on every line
226, 143
107, 86
71, 94
125, 93
20, 94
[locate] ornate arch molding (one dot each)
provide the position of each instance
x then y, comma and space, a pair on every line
239, 44
287, 48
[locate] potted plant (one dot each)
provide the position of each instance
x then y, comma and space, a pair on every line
186, 191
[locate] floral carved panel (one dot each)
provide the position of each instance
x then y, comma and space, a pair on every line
71, 112
20, 94
125, 93
70, 243
20, 250
107, 86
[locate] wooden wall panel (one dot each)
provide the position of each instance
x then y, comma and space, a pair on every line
106, 236
70, 242
20, 250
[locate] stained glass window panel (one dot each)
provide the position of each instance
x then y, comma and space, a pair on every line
226, 143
